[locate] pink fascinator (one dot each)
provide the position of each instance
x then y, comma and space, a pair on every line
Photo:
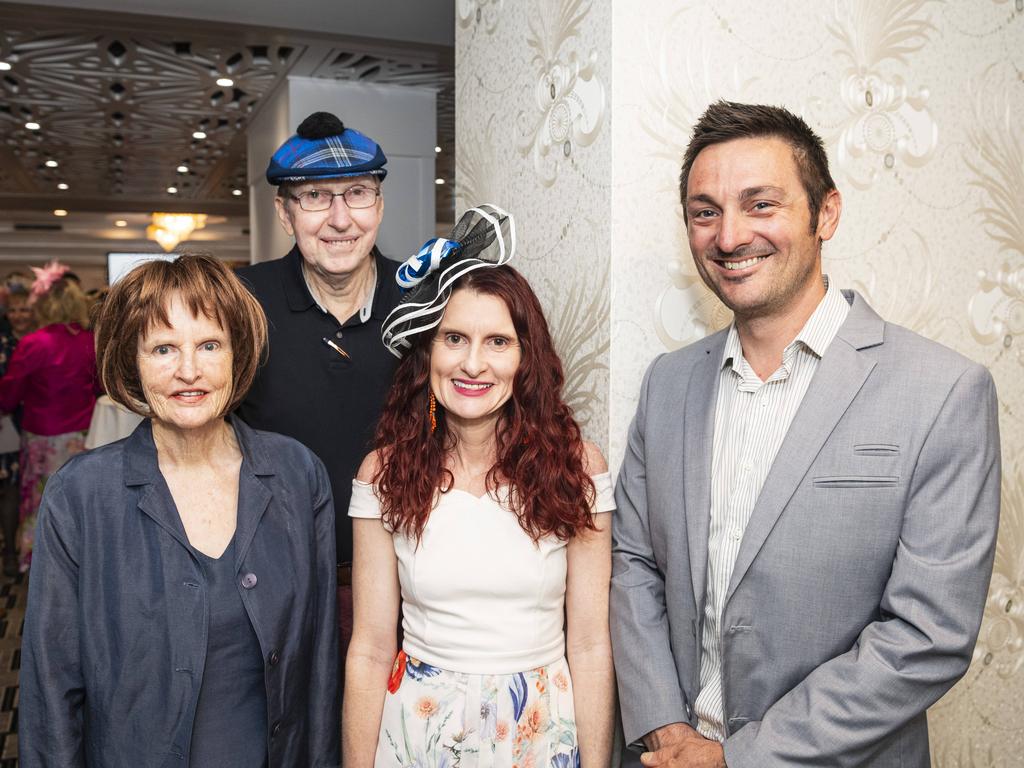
46, 277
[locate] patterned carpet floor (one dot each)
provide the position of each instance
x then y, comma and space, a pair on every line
13, 593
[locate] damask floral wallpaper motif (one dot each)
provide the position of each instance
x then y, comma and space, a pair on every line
531, 110
921, 105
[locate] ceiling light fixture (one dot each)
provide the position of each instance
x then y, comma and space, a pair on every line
62, 186
172, 190
437, 149
120, 223
169, 229
236, 192
32, 126
225, 82
200, 135
439, 182
182, 169
60, 212
50, 163
4, 66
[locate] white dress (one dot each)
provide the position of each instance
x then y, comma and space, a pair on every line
481, 680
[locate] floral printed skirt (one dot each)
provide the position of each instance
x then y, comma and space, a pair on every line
434, 718
41, 456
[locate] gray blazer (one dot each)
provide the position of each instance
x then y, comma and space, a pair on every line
861, 579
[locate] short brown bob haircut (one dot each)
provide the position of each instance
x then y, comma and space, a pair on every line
139, 301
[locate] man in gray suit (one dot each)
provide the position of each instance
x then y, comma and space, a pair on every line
808, 503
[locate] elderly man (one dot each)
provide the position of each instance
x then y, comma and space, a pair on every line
327, 373
808, 504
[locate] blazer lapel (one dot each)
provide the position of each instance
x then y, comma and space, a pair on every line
840, 375
699, 422
253, 495
142, 468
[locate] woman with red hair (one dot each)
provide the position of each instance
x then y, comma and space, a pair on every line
480, 515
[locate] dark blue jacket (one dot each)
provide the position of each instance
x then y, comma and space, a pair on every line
115, 631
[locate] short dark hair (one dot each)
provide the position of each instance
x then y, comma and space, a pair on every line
138, 302
727, 120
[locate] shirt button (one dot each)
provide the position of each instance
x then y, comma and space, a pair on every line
338, 334
274, 658
736, 534
249, 580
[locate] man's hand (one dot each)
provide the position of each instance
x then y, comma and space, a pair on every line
680, 746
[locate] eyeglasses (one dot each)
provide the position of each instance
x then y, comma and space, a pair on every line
322, 199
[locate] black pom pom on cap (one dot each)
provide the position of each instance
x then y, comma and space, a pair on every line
320, 125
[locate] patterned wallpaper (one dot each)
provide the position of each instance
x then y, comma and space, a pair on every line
574, 114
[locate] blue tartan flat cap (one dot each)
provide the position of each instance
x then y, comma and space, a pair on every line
323, 148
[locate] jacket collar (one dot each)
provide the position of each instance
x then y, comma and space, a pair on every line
863, 327
142, 467
385, 294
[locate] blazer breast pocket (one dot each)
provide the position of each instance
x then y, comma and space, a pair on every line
856, 481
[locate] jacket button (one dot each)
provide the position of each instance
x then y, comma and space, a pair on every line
274, 658
249, 580
275, 729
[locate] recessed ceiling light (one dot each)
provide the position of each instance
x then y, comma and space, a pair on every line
439, 182
60, 212
437, 149
199, 135
236, 192
120, 223
51, 163
32, 126
4, 66
172, 190
225, 82
62, 186
182, 169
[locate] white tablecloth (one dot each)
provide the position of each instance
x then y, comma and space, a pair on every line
110, 422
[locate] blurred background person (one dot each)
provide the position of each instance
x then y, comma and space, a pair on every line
182, 602
19, 321
479, 514
52, 377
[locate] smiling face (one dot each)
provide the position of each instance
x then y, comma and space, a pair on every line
336, 242
750, 230
185, 369
474, 358
19, 314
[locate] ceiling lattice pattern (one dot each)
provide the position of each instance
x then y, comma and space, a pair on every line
117, 111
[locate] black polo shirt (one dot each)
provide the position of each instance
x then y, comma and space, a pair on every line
309, 391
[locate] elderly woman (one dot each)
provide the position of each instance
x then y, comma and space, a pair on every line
51, 376
182, 607
480, 513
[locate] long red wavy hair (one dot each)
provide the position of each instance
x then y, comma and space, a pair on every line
540, 461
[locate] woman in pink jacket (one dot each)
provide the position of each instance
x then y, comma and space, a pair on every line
52, 375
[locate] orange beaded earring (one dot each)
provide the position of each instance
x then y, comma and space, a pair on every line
433, 413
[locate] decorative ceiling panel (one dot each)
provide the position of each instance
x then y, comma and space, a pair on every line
117, 110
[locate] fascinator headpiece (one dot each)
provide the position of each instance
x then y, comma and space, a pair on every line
46, 277
484, 237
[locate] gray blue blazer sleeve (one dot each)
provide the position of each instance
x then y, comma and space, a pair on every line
649, 689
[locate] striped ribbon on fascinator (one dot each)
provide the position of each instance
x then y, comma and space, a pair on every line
419, 265
485, 236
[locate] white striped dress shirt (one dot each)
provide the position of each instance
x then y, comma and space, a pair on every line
751, 420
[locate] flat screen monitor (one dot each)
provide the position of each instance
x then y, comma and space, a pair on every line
119, 264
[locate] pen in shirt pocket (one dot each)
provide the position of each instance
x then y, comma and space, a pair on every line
336, 348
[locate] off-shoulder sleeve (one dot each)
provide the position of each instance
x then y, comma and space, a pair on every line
364, 502
604, 500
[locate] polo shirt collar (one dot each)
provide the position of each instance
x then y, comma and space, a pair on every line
378, 303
